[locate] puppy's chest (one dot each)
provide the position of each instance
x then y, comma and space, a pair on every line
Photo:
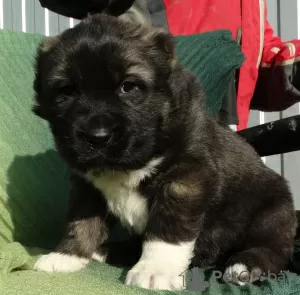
124, 199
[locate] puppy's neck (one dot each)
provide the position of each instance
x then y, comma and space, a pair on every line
129, 178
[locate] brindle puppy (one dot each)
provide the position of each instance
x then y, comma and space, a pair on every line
130, 122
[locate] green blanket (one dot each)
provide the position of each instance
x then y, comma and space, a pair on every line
17, 278
34, 180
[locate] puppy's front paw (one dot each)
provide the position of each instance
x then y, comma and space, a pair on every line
56, 262
161, 266
146, 274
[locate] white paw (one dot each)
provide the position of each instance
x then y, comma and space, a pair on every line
98, 257
157, 277
56, 262
161, 266
239, 274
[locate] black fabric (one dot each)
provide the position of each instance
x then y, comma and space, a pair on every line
81, 8
228, 113
278, 137
278, 87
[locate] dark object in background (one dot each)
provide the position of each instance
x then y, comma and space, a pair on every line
277, 137
81, 8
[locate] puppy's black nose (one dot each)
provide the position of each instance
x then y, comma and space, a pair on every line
98, 136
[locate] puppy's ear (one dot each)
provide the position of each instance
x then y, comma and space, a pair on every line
164, 42
37, 110
44, 47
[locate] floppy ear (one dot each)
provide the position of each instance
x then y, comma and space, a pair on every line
37, 110
44, 47
163, 41
166, 42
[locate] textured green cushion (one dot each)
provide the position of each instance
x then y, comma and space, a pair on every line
17, 278
212, 57
34, 180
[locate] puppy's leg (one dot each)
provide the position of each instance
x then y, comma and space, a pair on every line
86, 230
100, 254
252, 265
268, 246
173, 226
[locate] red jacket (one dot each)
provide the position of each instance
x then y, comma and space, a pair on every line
269, 62
269, 79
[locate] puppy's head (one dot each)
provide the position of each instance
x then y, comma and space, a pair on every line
103, 86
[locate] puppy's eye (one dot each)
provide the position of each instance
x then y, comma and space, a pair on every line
61, 99
67, 90
65, 93
128, 87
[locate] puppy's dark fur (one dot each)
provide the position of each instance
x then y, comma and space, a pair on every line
210, 186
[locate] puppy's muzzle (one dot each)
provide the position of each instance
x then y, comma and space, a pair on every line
98, 131
98, 136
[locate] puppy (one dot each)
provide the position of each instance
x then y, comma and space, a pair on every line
130, 122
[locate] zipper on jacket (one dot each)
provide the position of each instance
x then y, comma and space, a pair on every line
262, 30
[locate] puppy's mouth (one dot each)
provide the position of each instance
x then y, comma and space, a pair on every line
90, 152
100, 145
124, 150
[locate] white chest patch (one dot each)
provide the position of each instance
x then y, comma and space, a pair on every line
121, 190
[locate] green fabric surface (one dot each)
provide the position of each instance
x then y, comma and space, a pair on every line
211, 57
34, 180
16, 278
